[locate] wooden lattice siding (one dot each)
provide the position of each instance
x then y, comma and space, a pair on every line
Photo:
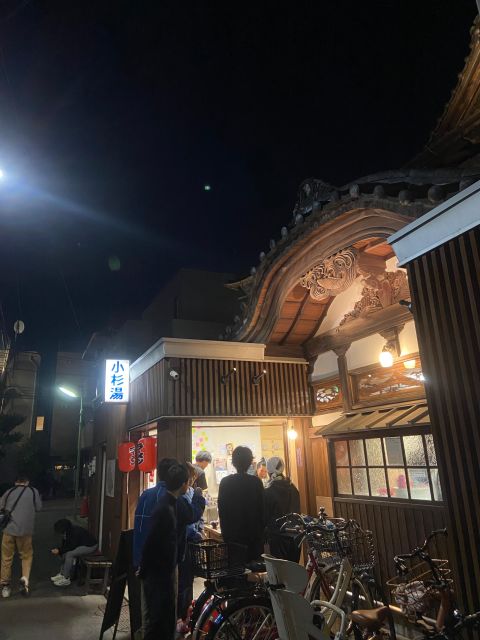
397, 528
199, 392
445, 286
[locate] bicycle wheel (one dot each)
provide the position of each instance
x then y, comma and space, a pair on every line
324, 584
248, 618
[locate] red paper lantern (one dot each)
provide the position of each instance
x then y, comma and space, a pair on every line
147, 454
126, 456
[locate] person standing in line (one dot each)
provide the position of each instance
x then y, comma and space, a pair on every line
281, 498
185, 570
77, 542
202, 460
262, 472
23, 501
240, 506
188, 513
159, 558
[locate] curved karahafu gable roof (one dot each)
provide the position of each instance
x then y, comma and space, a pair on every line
456, 137
327, 219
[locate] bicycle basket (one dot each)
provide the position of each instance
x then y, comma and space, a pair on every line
326, 547
416, 591
212, 559
358, 546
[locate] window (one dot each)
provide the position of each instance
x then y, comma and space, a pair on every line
39, 423
393, 467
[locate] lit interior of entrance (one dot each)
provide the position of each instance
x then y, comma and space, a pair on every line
220, 438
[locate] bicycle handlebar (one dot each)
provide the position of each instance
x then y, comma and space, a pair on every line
417, 552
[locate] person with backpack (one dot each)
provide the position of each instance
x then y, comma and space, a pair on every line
18, 507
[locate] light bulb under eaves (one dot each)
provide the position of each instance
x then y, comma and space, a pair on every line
386, 359
292, 434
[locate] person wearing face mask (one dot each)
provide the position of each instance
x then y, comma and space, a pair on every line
281, 498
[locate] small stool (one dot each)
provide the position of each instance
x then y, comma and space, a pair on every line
95, 563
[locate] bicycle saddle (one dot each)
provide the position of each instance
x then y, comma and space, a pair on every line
371, 619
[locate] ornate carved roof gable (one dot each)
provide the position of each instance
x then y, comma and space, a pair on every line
456, 137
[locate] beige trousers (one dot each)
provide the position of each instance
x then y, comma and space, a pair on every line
23, 544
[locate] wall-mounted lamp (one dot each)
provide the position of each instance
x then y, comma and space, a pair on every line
226, 377
174, 375
391, 348
292, 434
256, 379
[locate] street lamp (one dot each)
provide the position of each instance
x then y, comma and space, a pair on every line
75, 394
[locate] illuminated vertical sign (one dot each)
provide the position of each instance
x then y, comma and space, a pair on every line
117, 380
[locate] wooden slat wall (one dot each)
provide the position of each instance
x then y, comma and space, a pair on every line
283, 391
445, 286
397, 528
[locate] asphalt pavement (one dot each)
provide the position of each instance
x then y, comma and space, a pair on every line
51, 611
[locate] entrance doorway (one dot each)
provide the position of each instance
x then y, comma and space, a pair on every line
221, 438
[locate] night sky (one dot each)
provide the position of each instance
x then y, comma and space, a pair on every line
114, 115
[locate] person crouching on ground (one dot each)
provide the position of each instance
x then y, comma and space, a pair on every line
22, 501
240, 506
158, 564
77, 542
281, 498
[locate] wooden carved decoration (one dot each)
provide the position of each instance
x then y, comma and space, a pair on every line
332, 276
380, 291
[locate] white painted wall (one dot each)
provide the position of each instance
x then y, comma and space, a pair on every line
365, 351
408, 339
325, 418
325, 366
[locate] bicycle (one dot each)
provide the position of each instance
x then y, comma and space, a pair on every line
341, 558
231, 607
421, 588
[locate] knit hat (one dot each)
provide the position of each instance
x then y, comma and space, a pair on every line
275, 465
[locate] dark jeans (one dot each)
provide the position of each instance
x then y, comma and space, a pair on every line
185, 585
159, 616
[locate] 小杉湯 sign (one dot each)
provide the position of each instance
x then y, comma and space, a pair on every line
117, 380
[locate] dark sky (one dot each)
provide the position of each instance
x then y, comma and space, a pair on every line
114, 115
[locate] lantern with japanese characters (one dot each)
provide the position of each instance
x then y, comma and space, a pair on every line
147, 454
126, 456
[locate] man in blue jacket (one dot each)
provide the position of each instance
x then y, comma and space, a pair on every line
187, 513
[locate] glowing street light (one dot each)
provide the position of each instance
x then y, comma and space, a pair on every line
68, 392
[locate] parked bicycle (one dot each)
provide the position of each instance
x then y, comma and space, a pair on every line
423, 591
231, 607
341, 558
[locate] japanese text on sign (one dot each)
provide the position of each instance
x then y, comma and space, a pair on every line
117, 380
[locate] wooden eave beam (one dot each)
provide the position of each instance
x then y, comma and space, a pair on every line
395, 315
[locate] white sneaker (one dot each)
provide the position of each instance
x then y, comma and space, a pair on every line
6, 591
63, 582
57, 577
24, 586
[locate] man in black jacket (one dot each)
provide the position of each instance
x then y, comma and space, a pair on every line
240, 505
158, 564
77, 542
281, 498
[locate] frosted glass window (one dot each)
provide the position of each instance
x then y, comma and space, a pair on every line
393, 452
343, 481
374, 451
414, 452
341, 453
357, 454
360, 482
432, 456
